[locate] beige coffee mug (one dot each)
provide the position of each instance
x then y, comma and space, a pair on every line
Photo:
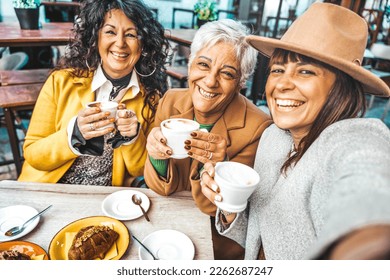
176, 131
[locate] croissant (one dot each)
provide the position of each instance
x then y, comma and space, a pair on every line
13, 255
92, 242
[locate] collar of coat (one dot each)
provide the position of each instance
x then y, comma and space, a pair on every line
86, 86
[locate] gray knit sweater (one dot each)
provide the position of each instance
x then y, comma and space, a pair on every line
340, 184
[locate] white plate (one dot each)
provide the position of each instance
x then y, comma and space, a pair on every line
16, 215
119, 205
167, 244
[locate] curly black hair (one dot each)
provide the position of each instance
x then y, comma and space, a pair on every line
82, 55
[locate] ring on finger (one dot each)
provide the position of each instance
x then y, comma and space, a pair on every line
210, 156
202, 172
92, 126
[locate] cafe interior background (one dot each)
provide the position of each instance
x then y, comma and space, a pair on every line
267, 18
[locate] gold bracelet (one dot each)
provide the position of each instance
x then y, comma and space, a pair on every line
223, 215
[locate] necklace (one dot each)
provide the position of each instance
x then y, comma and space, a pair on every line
115, 91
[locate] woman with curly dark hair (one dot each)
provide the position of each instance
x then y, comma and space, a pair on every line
117, 54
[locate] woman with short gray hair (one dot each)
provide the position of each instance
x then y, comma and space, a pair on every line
220, 63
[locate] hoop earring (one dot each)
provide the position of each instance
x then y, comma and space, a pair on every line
147, 75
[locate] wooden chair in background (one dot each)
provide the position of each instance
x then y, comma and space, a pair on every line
19, 90
374, 20
177, 69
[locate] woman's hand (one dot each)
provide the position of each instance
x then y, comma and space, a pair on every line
90, 119
156, 145
206, 147
127, 122
209, 186
211, 190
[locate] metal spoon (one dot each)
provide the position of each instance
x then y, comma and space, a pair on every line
146, 248
18, 229
137, 201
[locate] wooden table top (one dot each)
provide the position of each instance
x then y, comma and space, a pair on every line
61, 4
74, 202
26, 76
181, 36
19, 95
51, 34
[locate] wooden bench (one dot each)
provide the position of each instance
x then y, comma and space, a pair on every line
179, 73
19, 91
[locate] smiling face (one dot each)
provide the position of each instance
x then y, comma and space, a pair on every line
213, 79
296, 92
119, 44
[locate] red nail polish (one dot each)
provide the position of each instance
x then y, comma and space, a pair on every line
187, 147
189, 153
193, 134
187, 142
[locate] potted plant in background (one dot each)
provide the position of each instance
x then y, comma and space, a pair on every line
27, 12
205, 10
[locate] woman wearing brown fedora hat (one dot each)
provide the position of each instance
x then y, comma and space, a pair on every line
324, 186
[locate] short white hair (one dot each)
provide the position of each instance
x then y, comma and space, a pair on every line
231, 32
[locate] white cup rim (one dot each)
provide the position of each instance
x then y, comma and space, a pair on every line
196, 125
227, 184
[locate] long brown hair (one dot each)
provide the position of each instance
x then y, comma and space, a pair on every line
345, 100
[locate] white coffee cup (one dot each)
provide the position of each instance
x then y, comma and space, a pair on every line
106, 106
236, 182
176, 131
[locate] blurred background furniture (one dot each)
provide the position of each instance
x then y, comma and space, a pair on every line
60, 11
13, 61
15, 98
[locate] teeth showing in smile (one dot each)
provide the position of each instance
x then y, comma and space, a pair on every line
288, 103
119, 54
206, 94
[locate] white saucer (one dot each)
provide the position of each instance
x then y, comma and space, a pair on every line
167, 245
16, 215
119, 205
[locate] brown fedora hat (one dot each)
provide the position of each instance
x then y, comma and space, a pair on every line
331, 34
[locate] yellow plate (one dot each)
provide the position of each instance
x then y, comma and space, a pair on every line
31, 249
57, 244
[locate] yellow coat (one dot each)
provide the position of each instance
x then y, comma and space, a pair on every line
46, 149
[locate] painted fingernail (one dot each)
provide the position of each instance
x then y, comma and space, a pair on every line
162, 141
189, 153
169, 152
218, 198
187, 147
214, 187
187, 142
193, 134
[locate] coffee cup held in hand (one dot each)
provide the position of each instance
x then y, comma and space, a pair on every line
106, 106
236, 182
176, 131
